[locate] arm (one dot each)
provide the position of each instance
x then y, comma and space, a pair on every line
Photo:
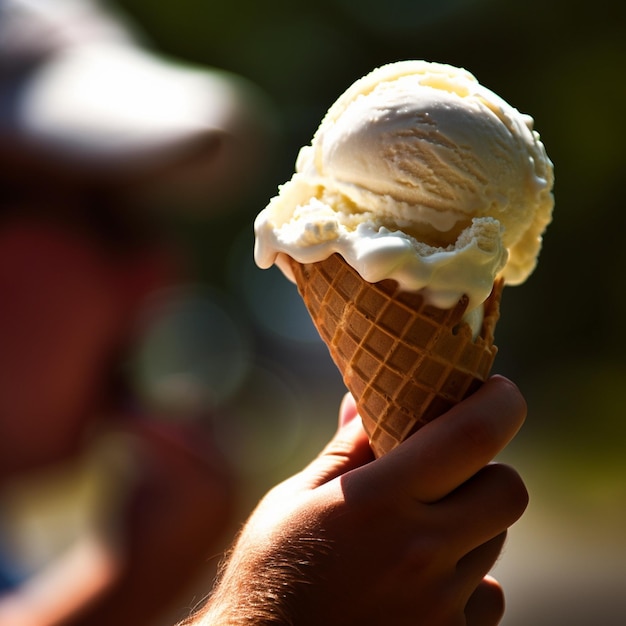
88, 567
173, 524
143, 554
405, 539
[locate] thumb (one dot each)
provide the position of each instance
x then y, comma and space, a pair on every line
347, 450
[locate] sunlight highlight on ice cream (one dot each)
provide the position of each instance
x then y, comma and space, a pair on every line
419, 174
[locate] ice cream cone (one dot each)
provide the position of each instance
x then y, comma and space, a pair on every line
404, 361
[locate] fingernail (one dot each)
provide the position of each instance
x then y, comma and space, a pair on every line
347, 410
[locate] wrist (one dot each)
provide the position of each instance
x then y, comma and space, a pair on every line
263, 583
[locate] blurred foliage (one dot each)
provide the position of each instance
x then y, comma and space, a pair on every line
563, 331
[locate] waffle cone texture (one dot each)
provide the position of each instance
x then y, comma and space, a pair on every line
404, 361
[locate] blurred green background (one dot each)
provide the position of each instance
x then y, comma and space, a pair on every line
562, 335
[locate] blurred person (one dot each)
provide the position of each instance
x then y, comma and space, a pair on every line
97, 134
107, 514
404, 539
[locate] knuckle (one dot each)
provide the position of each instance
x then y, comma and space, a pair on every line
514, 496
424, 553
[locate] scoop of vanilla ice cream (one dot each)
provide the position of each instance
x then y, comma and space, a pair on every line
419, 174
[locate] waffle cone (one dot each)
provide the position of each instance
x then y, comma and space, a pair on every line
404, 361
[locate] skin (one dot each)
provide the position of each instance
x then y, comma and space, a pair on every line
405, 539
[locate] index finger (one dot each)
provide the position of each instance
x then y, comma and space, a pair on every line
446, 452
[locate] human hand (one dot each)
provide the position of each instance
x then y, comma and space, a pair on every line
405, 539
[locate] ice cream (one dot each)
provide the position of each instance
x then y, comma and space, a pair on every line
421, 176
